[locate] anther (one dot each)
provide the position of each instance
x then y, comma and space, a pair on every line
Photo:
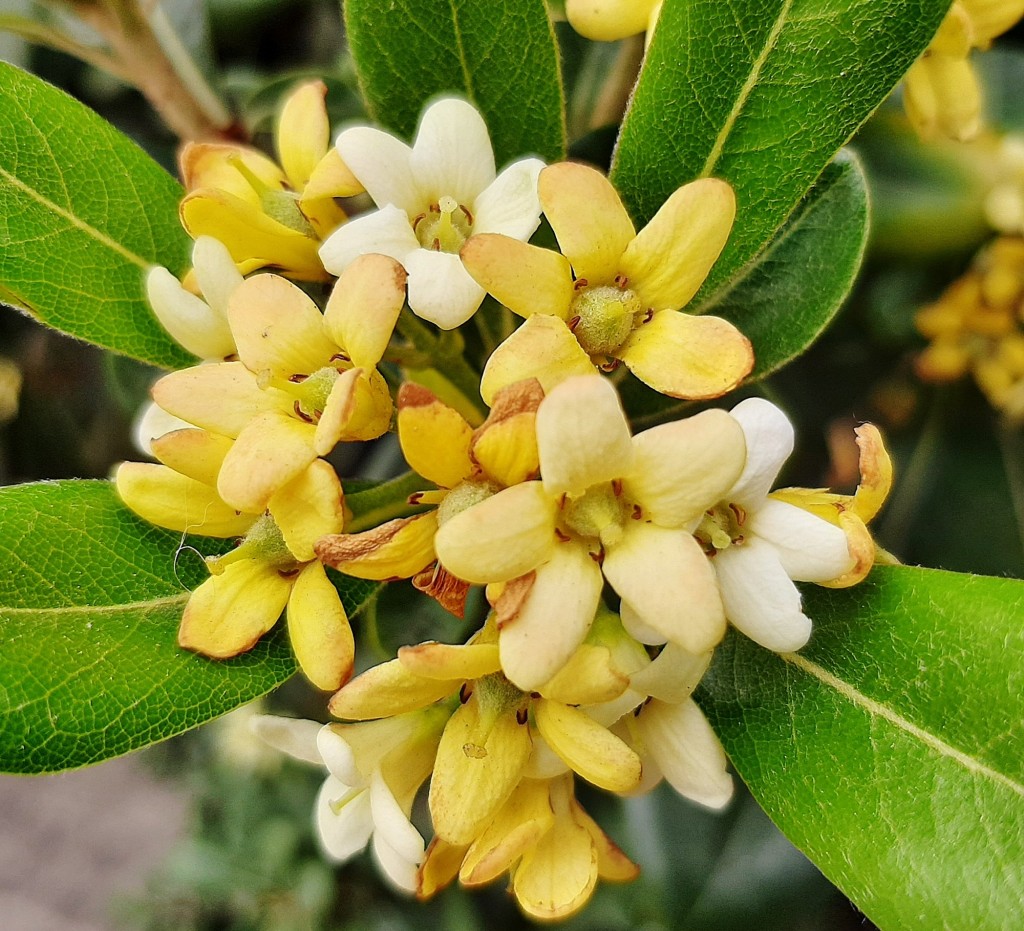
580, 284
466, 214
301, 414
562, 537
648, 315
573, 323
638, 512
297, 378
621, 281
617, 487
521, 715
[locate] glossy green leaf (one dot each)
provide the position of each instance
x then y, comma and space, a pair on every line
888, 749
761, 93
500, 54
90, 600
85, 213
787, 296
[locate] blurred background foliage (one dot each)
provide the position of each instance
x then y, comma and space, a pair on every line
250, 860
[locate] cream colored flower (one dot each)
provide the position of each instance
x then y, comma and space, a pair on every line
609, 20
431, 197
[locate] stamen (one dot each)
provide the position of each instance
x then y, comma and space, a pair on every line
580, 284
301, 414
621, 282
297, 379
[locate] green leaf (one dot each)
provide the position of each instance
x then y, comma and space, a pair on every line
792, 290
85, 213
888, 750
761, 93
90, 600
500, 54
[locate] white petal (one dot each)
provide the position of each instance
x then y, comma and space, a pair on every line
151, 422
582, 435
510, 204
386, 232
381, 163
346, 832
554, 619
673, 675
216, 272
191, 322
293, 736
636, 628
440, 288
338, 757
665, 577
809, 548
687, 751
399, 872
759, 598
391, 823
452, 153
769, 436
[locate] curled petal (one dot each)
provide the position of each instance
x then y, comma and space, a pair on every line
303, 132
810, 549
294, 736
330, 179
435, 438
448, 661
192, 323
505, 446
216, 273
307, 508
397, 549
875, 473
769, 438
319, 630
198, 454
343, 819
386, 690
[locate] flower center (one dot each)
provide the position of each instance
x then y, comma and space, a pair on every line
721, 527
601, 317
445, 226
463, 496
264, 542
600, 513
309, 391
279, 205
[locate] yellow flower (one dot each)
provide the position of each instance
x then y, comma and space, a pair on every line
608, 20
265, 214
272, 568
623, 303
942, 95
305, 382
464, 464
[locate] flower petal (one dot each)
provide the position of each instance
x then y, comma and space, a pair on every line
198, 454
591, 224
229, 612
344, 825
440, 289
435, 438
759, 598
608, 20
381, 163
397, 845
505, 446
452, 153
688, 357
501, 538
671, 256
216, 274
294, 736
544, 617
673, 675
682, 468
770, 438
542, 348
303, 132
213, 165
510, 204
526, 279
397, 549
388, 689
330, 179
310, 506
666, 578
450, 661
582, 436
319, 631
189, 320
386, 231
810, 549
687, 751
589, 677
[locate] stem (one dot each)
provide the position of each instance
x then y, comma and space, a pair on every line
40, 34
384, 502
611, 104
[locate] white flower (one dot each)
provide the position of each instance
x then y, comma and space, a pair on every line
432, 196
375, 769
759, 545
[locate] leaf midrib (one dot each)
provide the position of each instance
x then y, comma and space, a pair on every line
877, 709
6, 611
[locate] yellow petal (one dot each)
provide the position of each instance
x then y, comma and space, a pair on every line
212, 165
612, 864
309, 507
592, 226
861, 547
526, 279
195, 453
386, 690
439, 867
397, 549
358, 408
589, 677
303, 133
875, 473
168, 499
671, 256
364, 307
480, 761
229, 612
505, 445
590, 749
688, 357
608, 20
272, 450
319, 630
277, 328
448, 661
542, 348
991, 18
435, 438
330, 179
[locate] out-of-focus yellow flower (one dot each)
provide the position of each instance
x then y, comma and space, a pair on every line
614, 295
10, 389
942, 94
977, 327
269, 215
608, 20
273, 567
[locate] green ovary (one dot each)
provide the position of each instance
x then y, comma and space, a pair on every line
603, 316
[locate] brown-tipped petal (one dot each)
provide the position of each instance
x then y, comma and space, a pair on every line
450, 661
862, 549
526, 279
592, 226
688, 357
229, 612
387, 690
212, 165
875, 473
303, 132
438, 583
505, 445
319, 630
439, 867
397, 549
612, 864
435, 438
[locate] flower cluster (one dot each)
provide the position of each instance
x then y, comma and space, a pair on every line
611, 562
